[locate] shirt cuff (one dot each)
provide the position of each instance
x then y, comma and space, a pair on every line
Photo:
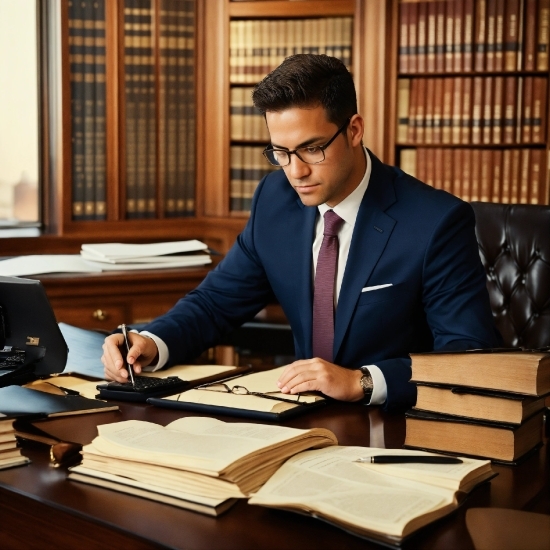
162, 349
379, 386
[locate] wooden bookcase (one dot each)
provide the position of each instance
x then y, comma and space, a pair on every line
492, 150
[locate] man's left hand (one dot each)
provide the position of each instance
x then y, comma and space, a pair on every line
320, 375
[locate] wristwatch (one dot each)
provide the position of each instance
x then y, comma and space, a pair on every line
366, 382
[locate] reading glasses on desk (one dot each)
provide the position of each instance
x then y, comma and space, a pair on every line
241, 390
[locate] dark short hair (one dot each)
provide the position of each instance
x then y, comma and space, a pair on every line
306, 80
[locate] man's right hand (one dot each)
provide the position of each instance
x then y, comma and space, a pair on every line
143, 352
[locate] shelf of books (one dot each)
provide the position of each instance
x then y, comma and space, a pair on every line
142, 53
471, 103
261, 35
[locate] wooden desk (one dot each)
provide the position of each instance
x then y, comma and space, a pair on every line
39, 508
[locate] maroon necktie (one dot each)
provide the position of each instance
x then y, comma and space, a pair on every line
323, 297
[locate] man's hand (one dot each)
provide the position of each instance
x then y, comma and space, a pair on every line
143, 352
320, 375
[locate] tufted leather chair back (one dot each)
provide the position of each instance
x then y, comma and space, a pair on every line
514, 245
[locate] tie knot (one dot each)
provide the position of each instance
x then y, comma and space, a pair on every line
333, 223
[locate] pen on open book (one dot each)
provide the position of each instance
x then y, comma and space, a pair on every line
128, 366
409, 459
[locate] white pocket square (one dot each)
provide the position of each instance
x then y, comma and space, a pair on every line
376, 287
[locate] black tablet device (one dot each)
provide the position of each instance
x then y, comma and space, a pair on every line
31, 343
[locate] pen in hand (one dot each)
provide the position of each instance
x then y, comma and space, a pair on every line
409, 459
128, 366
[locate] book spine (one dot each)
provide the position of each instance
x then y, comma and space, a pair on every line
466, 182
429, 114
150, 120
456, 188
440, 36
480, 35
437, 110
465, 132
403, 100
447, 184
77, 42
458, 35
446, 120
536, 191
421, 168
449, 35
468, 40
490, 38
438, 168
496, 175
514, 176
521, 35
411, 130
404, 38
477, 109
475, 171
540, 90
486, 175
420, 111
510, 95
527, 118
431, 37
511, 35
422, 35
530, 52
506, 176
407, 161
430, 167
498, 107
524, 176
499, 35
413, 43
456, 126
487, 116
542, 34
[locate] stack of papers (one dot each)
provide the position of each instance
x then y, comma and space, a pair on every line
116, 256
94, 258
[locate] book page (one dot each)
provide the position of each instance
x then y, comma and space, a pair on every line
198, 444
329, 482
260, 382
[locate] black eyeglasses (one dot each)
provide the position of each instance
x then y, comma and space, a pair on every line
241, 390
310, 154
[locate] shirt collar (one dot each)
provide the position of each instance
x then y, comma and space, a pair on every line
349, 207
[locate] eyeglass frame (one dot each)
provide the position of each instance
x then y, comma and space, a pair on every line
248, 392
295, 151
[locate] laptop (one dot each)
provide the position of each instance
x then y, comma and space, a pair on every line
31, 343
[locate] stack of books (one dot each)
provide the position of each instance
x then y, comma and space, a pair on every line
123, 256
10, 455
197, 463
485, 403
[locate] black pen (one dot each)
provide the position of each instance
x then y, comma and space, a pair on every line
128, 366
409, 459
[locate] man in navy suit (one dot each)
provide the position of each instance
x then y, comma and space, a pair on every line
408, 279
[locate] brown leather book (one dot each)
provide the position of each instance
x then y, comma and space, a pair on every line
540, 87
475, 176
458, 163
446, 120
496, 175
510, 105
486, 178
403, 100
421, 37
480, 35
527, 116
438, 110
438, 168
477, 109
449, 36
456, 126
411, 129
447, 184
536, 177
487, 115
530, 42
506, 175
429, 159
429, 111
413, 41
498, 106
440, 18
515, 176
458, 35
431, 37
511, 35
421, 168
420, 111
466, 174
491, 34
466, 130
542, 34
499, 35
524, 176
404, 38
468, 38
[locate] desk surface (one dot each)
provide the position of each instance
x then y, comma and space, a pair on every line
40, 508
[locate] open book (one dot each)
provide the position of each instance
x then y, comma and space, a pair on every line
253, 395
382, 502
196, 455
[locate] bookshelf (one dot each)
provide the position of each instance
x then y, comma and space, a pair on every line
470, 101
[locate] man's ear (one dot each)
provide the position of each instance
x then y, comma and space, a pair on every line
357, 128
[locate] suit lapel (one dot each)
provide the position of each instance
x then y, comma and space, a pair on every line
373, 228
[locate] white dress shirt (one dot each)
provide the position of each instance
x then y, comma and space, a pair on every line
347, 210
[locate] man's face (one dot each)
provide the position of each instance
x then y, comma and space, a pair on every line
332, 180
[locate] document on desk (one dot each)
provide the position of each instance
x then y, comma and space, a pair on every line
253, 395
381, 502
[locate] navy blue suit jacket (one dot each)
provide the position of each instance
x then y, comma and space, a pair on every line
407, 234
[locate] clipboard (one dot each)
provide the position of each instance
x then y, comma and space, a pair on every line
261, 401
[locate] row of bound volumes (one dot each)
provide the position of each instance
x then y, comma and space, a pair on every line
88, 129
472, 110
165, 172
259, 46
248, 167
487, 175
247, 123
473, 35
485, 403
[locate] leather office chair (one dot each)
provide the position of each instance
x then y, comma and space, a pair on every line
514, 245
